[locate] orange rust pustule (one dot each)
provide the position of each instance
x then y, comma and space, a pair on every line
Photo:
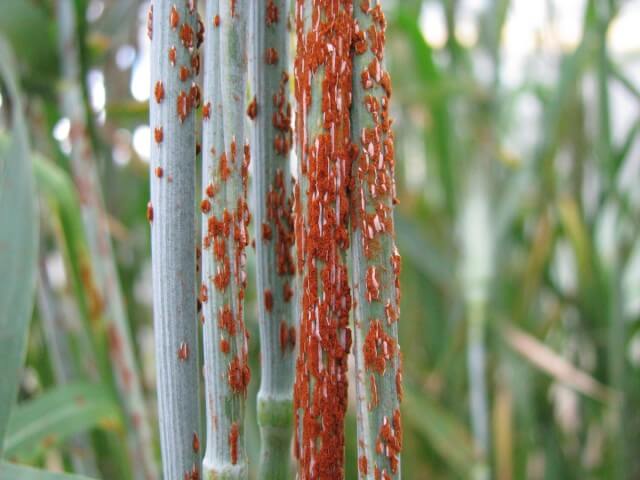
239, 374
273, 15
185, 73
158, 91
159, 172
174, 17
271, 56
233, 442
195, 443
183, 352
378, 348
390, 440
252, 109
268, 300
149, 212
322, 235
158, 135
206, 111
172, 56
363, 466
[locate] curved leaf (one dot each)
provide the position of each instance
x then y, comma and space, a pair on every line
18, 243
58, 414
9, 471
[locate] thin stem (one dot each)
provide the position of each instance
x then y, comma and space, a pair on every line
175, 37
375, 259
96, 227
224, 238
271, 141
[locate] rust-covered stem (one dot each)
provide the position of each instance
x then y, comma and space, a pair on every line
375, 259
105, 276
323, 69
224, 238
271, 139
175, 36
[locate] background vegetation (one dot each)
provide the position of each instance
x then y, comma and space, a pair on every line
516, 138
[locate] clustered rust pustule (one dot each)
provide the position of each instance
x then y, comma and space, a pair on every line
376, 277
323, 71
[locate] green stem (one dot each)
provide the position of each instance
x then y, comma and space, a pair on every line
374, 257
172, 223
224, 238
271, 141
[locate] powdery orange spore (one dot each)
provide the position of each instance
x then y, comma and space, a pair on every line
322, 235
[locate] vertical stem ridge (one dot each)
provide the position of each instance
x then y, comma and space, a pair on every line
375, 259
105, 274
271, 141
225, 237
323, 92
174, 42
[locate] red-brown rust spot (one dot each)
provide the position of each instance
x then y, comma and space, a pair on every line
287, 292
204, 294
149, 212
216, 21
174, 17
399, 389
268, 300
266, 231
273, 14
224, 346
195, 63
206, 111
374, 391
150, 22
195, 443
184, 73
193, 474
225, 320
194, 94
252, 109
239, 375
362, 465
233, 442
172, 56
223, 166
233, 8
183, 352
158, 91
373, 286
378, 348
198, 148
376, 473
158, 135
271, 56
390, 440
205, 206
200, 34
183, 106
210, 190
159, 172
186, 35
